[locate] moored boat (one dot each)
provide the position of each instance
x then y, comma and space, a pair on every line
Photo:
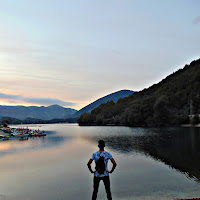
6, 130
38, 134
20, 135
5, 136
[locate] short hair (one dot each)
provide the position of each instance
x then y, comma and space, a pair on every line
101, 144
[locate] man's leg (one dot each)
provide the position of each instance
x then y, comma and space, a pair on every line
106, 182
96, 187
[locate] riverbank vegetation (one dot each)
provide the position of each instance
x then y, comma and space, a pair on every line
11, 120
173, 101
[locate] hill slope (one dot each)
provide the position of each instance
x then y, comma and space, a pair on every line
44, 113
111, 97
166, 103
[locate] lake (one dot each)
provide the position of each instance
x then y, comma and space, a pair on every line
152, 163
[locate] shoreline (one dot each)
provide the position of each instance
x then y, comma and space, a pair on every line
190, 125
183, 125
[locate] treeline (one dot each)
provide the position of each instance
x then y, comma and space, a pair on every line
11, 120
173, 101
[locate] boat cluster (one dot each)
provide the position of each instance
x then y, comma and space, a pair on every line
6, 133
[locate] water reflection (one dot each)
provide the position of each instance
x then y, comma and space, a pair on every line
54, 167
14, 145
177, 147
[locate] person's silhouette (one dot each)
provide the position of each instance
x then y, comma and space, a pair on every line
98, 176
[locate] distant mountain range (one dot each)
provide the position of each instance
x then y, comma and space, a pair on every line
44, 113
54, 113
111, 97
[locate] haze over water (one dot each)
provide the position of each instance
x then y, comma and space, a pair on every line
152, 163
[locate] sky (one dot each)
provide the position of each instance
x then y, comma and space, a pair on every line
71, 53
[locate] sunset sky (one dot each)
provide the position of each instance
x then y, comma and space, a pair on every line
73, 52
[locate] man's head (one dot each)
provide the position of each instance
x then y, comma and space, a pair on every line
101, 144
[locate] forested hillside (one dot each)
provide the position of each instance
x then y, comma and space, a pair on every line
170, 102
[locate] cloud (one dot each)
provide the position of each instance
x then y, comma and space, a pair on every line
9, 96
32, 100
196, 20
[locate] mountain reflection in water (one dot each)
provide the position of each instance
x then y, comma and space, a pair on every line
177, 147
54, 167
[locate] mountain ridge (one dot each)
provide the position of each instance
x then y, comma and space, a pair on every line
115, 96
37, 112
53, 113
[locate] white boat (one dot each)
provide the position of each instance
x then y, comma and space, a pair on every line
20, 135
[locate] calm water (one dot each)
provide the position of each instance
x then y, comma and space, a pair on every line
152, 163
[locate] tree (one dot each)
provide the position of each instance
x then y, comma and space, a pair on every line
99, 119
5, 123
161, 112
117, 120
85, 119
195, 119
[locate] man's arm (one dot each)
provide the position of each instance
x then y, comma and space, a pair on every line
114, 165
89, 165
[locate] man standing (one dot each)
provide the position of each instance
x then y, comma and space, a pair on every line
101, 159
